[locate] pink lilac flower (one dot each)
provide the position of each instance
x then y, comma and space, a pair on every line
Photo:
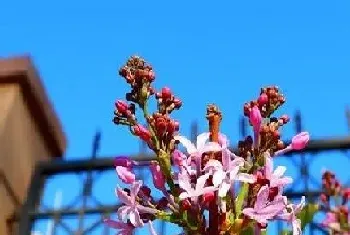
290, 216
124, 228
225, 174
275, 177
202, 146
299, 142
264, 209
198, 190
331, 221
125, 174
131, 208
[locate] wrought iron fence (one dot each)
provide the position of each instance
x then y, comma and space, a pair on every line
81, 207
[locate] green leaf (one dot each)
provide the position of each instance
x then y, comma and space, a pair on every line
248, 231
240, 199
306, 215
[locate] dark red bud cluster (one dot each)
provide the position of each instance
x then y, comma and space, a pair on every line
245, 147
163, 125
167, 102
139, 75
137, 71
162, 203
146, 191
269, 101
330, 184
270, 137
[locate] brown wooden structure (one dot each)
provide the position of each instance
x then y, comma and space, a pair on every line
29, 132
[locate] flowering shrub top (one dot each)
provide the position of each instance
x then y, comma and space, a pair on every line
208, 173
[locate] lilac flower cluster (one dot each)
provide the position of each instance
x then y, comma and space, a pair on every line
206, 176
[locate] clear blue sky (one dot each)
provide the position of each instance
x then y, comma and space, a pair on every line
206, 52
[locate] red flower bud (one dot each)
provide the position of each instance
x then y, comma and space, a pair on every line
177, 103
145, 190
263, 99
122, 106
123, 161
166, 93
142, 132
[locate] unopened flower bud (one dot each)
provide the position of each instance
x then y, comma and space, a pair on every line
122, 107
263, 99
300, 140
145, 190
123, 161
177, 103
166, 93
255, 118
142, 132
125, 175
158, 177
162, 203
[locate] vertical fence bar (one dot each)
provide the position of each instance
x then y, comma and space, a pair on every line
32, 200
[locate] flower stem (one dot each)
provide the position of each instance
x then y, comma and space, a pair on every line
214, 117
146, 116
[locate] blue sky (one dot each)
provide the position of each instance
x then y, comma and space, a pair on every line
220, 52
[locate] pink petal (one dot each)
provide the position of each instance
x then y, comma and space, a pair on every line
202, 139
218, 177
134, 190
224, 188
300, 206
248, 212
116, 224
184, 181
213, 164
186, 143
125, 175
201, 181
297, 227
210, 147
205, 190
183, 195
226, 158
223, 140
123, 196
273, 208
246, 178
268, 166
279, 171
178, 157
135, 218
122, 212
262, 197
